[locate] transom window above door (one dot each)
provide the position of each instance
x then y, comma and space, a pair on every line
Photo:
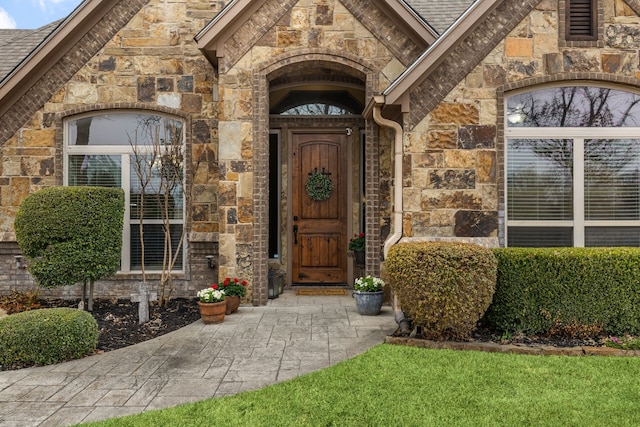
142, 153
314, 92
573, 167
318, 103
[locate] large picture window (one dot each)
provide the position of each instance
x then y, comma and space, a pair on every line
143, 154
573, 167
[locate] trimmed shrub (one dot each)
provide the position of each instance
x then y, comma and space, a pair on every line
46, 336
444, 287
567, 291
71, 234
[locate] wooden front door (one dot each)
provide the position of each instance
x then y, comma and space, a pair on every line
319, 227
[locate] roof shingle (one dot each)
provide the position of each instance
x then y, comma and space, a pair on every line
16, 45
440, 14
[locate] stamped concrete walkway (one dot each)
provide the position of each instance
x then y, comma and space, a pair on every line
291, 336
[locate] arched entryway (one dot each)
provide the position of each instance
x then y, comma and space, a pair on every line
310, 119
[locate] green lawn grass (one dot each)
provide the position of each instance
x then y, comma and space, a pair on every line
406, 386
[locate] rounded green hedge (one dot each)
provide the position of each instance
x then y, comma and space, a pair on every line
445, 287
71, 234
46, 336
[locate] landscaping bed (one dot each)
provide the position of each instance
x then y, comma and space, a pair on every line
118, 320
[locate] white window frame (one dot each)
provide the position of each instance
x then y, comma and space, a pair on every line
578, 135
125, 152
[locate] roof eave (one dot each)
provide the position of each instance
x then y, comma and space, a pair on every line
52, 48
429, 60
422, 29
208, 38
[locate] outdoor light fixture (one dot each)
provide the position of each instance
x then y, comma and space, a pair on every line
19, 263
275, 284
210, 262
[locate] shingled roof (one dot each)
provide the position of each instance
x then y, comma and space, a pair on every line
16, 45
440, 14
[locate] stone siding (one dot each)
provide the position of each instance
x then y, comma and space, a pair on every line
324, 36
454, 155
140, 56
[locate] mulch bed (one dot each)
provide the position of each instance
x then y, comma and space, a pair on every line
118, 320
484, 334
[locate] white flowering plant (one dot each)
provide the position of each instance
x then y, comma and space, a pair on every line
368, 284
211, 294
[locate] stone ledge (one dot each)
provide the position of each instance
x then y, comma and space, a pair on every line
535, 349
196, 236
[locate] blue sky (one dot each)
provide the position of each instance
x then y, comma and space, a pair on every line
29, 14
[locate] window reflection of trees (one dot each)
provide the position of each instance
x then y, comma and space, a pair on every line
317, 109
611, 180
574, 106
95, 170
611, 172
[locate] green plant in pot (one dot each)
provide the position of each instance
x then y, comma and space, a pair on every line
212, 304
368, 293
234, 289
357, 245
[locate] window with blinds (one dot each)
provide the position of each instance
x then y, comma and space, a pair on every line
581, 20
140, 153
572, 179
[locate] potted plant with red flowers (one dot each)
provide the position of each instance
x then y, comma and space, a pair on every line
212, 304
357, 245
234, 290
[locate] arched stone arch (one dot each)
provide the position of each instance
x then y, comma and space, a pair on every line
265, 72
572, 78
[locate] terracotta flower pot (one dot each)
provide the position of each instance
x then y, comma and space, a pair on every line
233, 302
212, 312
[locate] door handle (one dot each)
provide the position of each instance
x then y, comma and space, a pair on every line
295, 234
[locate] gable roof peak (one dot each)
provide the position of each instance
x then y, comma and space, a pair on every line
212, 37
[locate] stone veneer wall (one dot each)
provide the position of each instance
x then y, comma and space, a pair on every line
454, 157
144, 56
325, 35
140, 56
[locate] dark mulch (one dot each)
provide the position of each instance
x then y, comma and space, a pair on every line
118, 320
484, 333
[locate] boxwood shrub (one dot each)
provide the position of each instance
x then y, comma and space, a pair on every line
46, 336
540, 289
444, 287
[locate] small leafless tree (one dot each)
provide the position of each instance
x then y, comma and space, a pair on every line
159, 163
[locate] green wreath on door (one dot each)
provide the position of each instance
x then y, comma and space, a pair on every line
319, 187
